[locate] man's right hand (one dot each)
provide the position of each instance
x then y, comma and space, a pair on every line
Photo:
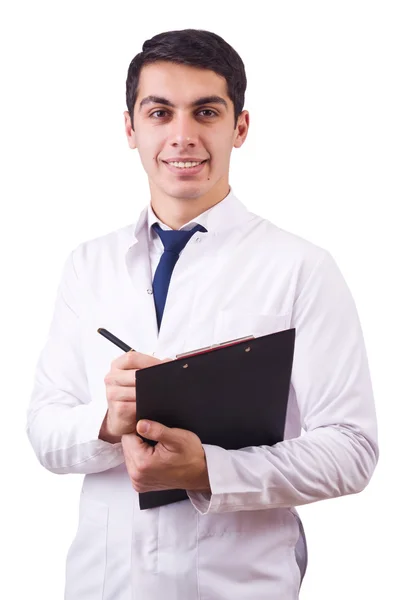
121, 394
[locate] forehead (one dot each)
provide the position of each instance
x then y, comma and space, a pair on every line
180, 83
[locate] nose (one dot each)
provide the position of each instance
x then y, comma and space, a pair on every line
184, 132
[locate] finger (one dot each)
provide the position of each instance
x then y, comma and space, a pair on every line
121, 377
115, 393
152, 430
131, 442
135, 360
135, 448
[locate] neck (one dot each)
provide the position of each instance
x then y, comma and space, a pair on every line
176, 212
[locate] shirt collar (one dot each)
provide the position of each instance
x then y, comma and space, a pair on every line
152, 218
227, 214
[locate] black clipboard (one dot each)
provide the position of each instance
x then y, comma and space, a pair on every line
234, 397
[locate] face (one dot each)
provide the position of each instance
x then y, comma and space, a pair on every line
184, 131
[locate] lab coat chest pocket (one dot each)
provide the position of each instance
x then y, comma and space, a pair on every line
86, 559
233, 323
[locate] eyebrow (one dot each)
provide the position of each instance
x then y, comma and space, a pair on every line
198, 102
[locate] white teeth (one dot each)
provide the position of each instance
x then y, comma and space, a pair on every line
184, 165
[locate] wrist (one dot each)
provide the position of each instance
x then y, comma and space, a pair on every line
104, 433
202, 482
203, 485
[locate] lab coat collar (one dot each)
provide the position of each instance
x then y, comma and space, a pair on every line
227, 214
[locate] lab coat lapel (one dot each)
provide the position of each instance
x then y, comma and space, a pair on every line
140, 292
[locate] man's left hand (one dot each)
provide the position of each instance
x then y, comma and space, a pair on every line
177, 461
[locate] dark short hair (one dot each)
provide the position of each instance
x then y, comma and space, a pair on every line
196, 48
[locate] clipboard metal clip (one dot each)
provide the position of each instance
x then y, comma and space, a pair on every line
214, 347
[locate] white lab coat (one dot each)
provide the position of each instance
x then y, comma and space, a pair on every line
246, 276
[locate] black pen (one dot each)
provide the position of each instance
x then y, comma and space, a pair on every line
115, 340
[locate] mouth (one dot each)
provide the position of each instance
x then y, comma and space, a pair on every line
185, 168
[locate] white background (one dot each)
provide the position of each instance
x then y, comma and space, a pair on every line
319, 160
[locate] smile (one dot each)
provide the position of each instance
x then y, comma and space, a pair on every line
185, 168
185, 165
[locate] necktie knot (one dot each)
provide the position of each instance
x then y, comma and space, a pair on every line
175, 241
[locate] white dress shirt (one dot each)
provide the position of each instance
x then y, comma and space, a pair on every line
244, 276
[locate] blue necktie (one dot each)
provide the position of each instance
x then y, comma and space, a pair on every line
173, 242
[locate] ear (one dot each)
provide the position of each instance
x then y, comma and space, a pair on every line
130, 133
241, 129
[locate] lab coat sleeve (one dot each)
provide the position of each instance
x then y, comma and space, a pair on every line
338, 451
63, 421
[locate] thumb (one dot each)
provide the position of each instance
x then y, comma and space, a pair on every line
158, 432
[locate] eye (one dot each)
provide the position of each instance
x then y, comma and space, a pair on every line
207, 111
158, 114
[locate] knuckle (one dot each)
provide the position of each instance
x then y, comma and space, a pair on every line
108, 380
114, 396
125, 398
136, 477
131, 358
110, 394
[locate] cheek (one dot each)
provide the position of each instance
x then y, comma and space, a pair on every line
222, 154
223, 145
149, 146
149, 154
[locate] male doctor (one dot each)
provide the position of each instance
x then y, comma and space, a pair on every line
197, 268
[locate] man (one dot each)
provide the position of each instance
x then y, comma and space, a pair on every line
233, 273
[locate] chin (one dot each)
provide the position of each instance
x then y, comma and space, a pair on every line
189, 191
